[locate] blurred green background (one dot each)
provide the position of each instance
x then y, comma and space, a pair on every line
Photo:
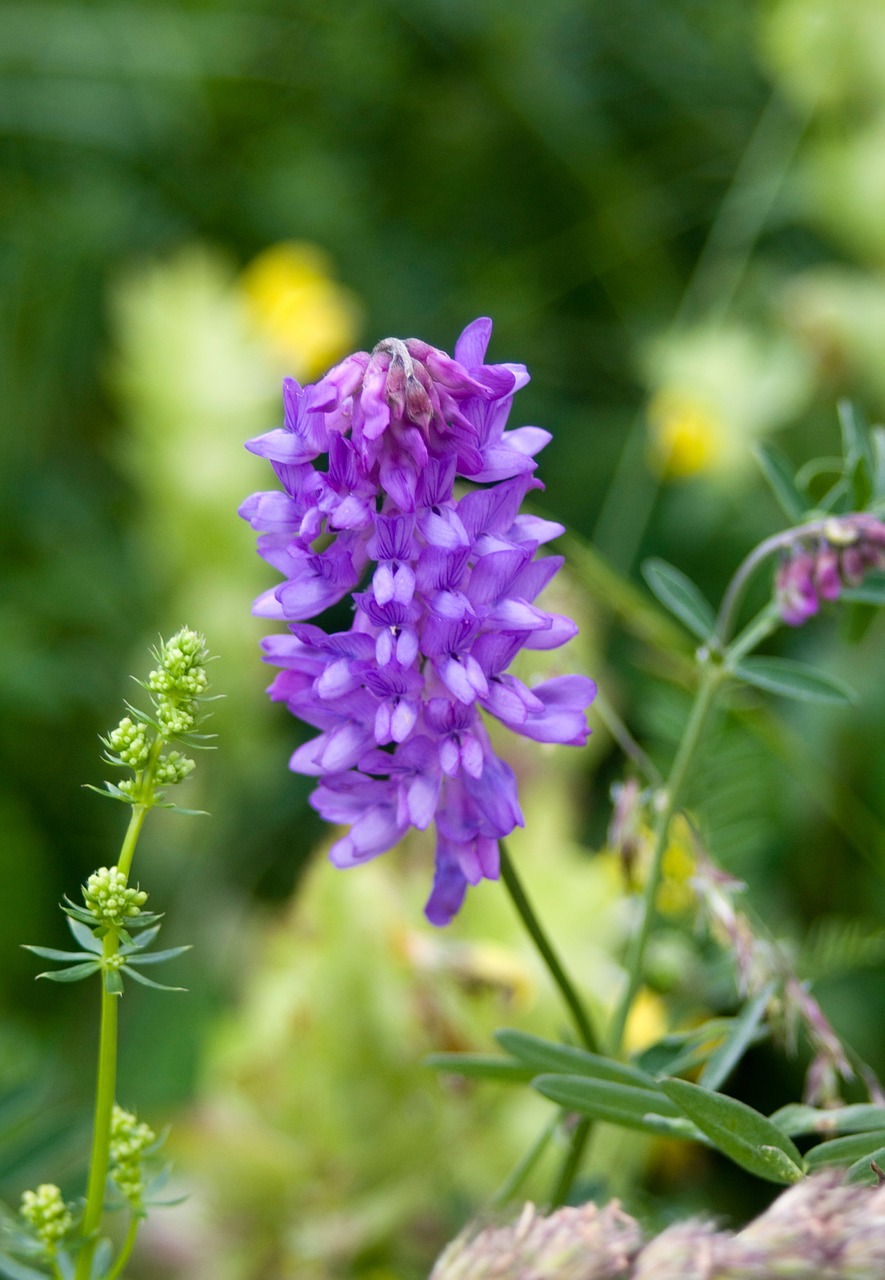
673, 213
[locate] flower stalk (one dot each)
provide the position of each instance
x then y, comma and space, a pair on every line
712, 676
514, 887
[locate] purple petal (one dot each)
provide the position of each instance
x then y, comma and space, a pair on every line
562, 720
449, 886
471, 347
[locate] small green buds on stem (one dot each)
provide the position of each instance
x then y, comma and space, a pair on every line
47, 1215
130, 1141
141, 741
114, 935
110, 900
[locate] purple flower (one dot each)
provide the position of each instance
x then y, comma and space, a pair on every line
816, 569
368, 459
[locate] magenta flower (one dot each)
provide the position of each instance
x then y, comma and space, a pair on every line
368, 460
817, 569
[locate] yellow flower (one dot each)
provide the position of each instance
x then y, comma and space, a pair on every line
687, 435
676, 894
714, 390
647, 1022
307, 317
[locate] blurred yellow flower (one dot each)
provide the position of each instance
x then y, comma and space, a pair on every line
714, 390
647, 1022
307, 317
676, 894
687, 435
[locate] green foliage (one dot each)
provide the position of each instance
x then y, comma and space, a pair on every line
679, 594
790, 679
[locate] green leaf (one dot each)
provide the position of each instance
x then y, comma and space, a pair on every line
778, 472
480, 1066
862, 1171
109, 791
627, 1105
75, 973
548, 1056
13, 1270
155, 957
143, 940
148, 982
113, 983
877, 451
742, 1034
675, 1053
102, 1260
797, 1120
859, 468
794, 680
870, 591
749, 1139
49, 953
84, 935
679, 594
845, 1150
144, 919
78, 913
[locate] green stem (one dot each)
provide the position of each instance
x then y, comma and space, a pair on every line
106, 1085
704, 698
105, 1094
545, 948
752, 635
572, 1162
125, 1249
130, 840
523, 1168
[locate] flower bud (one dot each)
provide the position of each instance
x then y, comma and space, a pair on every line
47, 1214
110, 899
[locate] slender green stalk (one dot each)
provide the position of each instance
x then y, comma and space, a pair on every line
753, 634
133, 831
545, 948
710, 679
106, 1084
777, 541
523, 1168
125, 1249
105, 1094
606, 713
572, 1162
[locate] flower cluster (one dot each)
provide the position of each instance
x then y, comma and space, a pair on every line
177, 685
817, 569
47, 1215
823, 1226
109, 899
450, 583
130, 1141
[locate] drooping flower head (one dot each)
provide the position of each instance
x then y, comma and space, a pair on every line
444, 592
817, 569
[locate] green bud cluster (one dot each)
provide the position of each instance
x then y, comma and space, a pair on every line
129, 1142
46, 1214
110, 899
129, 742
178, 681
172, 768
139, 742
